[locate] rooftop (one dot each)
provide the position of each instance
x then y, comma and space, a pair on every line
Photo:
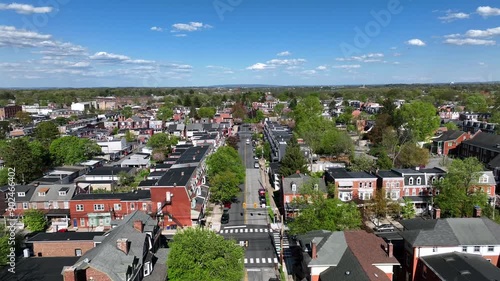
462, 267
64, 236
177, 176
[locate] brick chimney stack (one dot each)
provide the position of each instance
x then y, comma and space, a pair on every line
314, 253
437, 213
123, 245
69, 273
477, 212
390, 249
139, 226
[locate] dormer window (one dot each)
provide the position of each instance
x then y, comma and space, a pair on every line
433, 179
410, 181
21, 194
62, 193
294, 187
419, 181
41, 193
483, 179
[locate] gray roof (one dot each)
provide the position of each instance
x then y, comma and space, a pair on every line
449, 135
28, 192
495, 162
451, 232
330, 246
194, 127
491, 178
299, 180
348, 268
462, 267
485, 140
52, 193
107, 258
388, 174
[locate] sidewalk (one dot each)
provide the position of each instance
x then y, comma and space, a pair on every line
213, 220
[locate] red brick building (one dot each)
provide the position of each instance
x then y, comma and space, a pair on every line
62, 244
448, 142
9, 111
352, 185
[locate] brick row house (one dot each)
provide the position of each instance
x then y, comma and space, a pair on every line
486, 148
448, 142
358, 186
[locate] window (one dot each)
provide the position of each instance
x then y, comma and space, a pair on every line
491, 248
132, 206
21, 194
46, 205
477, 249
483, 179
25, 205
370, 185
424, 272
117, 207
62, 193
433, 179
414, 192
78, 252
34, 206
464, 249
397, 184
450, 144
79, 207
41, 193
407, 192
144, 206
410, 181
419, 181
82, 222
98, 207
434, 249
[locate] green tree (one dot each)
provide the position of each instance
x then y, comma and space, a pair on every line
226, 159
207, 112
187, 101
319, 212
293, 160
451, 126
125, 179
19, 155
411, 155
196, 102
71, 150
224, 187
239, 111
127, 112
408, 209
24, 118
458, 192
34, 220
309, 107
165, 113
46, 132
361, 163
201, 254
4, 129
61, 121
420, 118
162, 141
278, 109
129, 136
476, 103
232, 141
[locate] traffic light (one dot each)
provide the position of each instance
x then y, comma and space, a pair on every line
244, 205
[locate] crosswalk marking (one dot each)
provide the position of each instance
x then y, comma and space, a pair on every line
246, 230
261, 260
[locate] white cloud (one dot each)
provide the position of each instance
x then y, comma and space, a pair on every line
283, 54
449, 17
454, 35
415, 42
156, 28
21, 38
189, 27
108, 57
288, 62
309, 72
483, 33
372, 57
180, 35
347, 66
322, 67
259, 66
469, 41
487, 11
25, 9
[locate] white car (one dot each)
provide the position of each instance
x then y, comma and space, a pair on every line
256, 165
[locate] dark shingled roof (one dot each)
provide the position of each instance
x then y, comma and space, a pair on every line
38, 269
348, 269
104, 171
462, 267
449, 135
64, 236
485, 140
177, 176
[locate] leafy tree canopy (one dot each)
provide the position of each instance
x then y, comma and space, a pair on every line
420, 118
201, 254
46, 132
35, 220
207, 112
293, 160
71, 150
224, 187
225, 159
165, 113
162, 140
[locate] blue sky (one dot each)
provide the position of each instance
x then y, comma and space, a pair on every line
172, 43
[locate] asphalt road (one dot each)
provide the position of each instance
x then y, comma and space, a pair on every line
250, 223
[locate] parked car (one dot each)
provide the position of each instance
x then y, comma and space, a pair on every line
256, 165
384, 227
225, 216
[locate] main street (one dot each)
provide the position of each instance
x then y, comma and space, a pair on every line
250, 223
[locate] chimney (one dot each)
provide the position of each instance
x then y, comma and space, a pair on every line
390, 249
477, 212
437, 213
123, 245
139, 226
69, 273
314, 253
